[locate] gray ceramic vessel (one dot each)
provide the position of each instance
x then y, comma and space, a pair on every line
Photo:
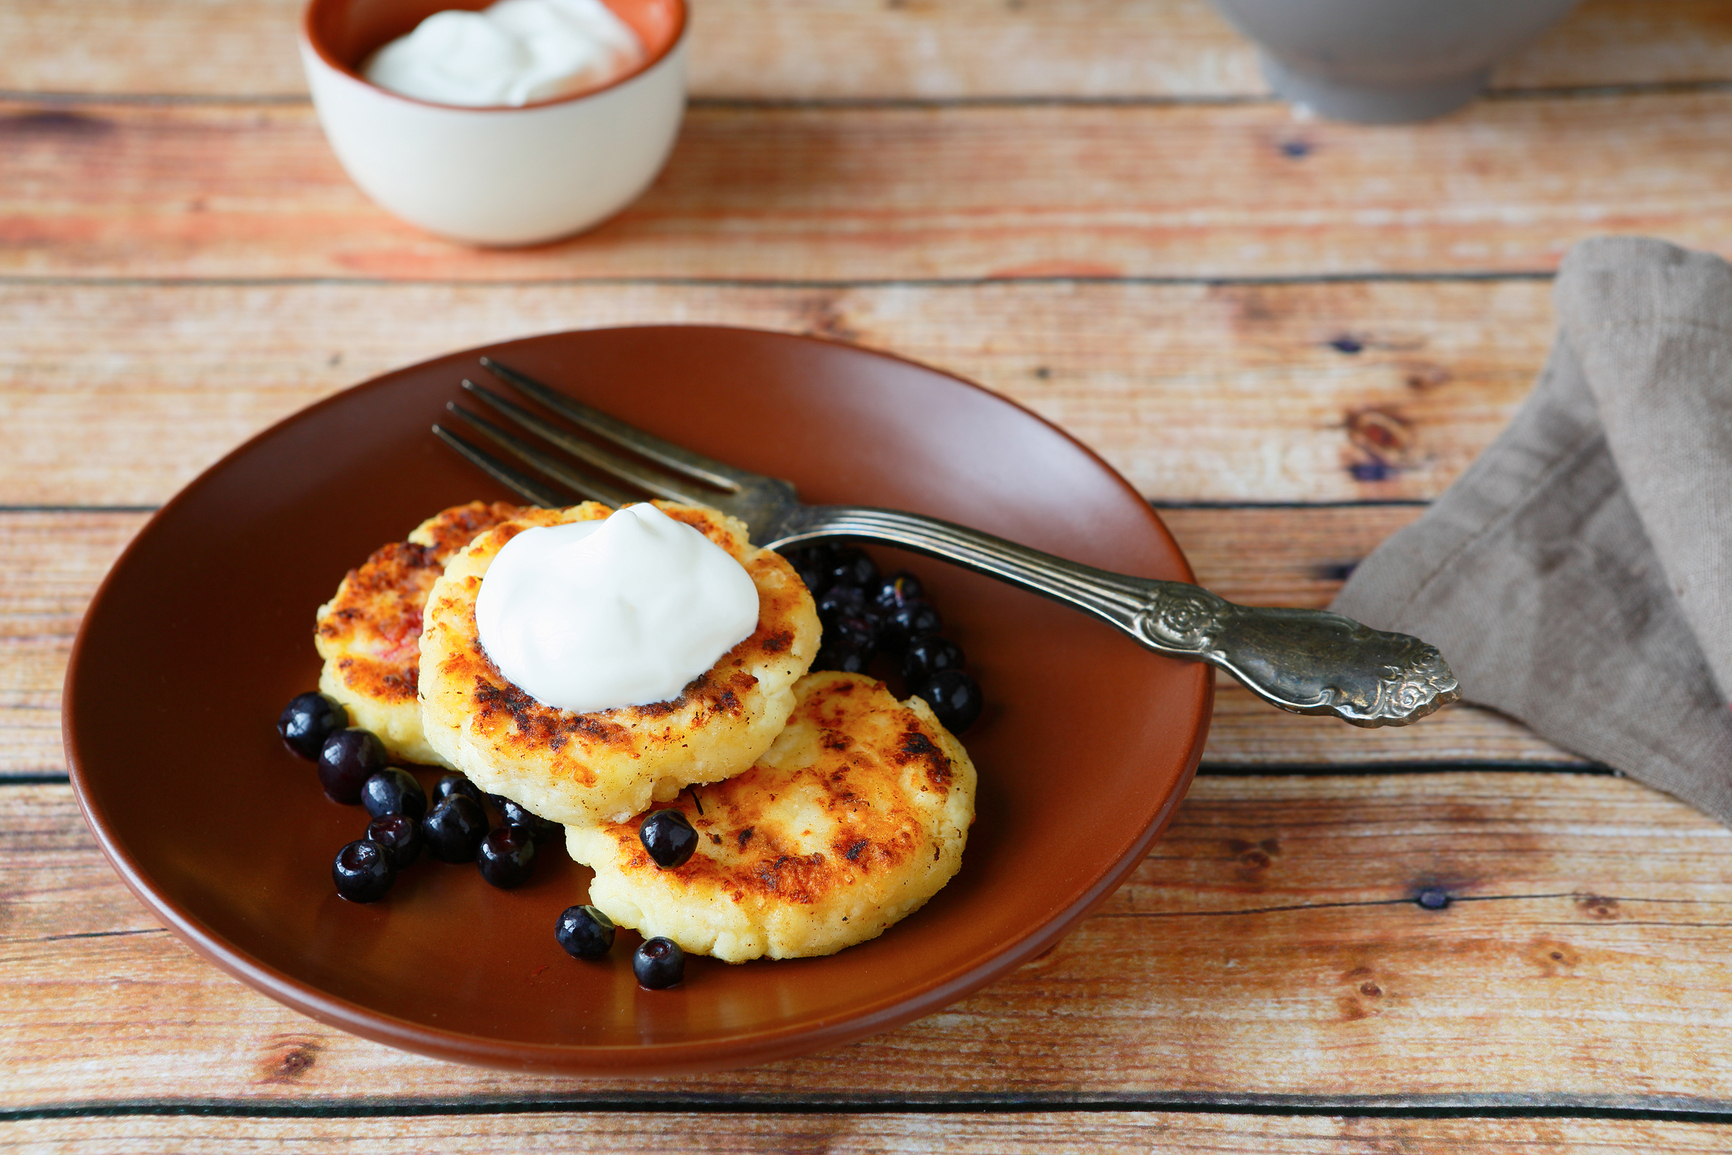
1383, 61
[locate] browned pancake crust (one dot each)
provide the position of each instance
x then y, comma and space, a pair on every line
370, 633
540, 754
375, 619
878, 828
845, 825
519, 726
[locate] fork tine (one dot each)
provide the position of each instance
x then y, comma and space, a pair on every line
553, 467
675, 457
602, 459
519, 483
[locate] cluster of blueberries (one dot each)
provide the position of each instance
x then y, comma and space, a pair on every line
865, 614
354, 768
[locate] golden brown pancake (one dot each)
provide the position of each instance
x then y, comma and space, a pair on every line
607, 765
370, 633
850, 821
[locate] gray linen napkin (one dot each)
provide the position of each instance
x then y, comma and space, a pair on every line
1578, 576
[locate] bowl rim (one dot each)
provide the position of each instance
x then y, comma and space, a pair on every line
682, 11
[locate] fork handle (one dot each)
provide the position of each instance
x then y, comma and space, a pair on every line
1306, 661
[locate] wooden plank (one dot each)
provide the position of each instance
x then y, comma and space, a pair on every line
1269, 948
1628, 43
844, 49
1352, 391
53, 563
1108, 1133
795, 193
1246, 732
55, 560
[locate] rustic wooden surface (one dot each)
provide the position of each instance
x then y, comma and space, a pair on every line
1247, 384
1108, 1133
1270, 944
758, 192
1289, 334
839, 50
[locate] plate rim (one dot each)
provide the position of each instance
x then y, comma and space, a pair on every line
740, 1049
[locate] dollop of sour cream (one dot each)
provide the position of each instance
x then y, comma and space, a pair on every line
512, 53
594, 615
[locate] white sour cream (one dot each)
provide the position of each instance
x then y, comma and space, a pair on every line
512, 53
594, 615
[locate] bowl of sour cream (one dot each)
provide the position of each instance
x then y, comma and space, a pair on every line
508, 123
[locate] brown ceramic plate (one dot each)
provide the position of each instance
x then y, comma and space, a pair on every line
203, 631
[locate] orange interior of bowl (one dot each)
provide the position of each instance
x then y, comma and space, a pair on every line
346, 32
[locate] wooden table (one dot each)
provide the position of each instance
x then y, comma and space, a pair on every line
1290, 334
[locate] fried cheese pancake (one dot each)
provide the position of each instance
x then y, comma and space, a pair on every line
607, 765
370, 633
849, 822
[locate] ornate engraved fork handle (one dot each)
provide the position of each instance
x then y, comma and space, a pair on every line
1306, 661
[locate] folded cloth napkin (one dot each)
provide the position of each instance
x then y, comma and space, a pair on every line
1579, 575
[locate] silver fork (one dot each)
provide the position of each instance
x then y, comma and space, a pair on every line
1306, 661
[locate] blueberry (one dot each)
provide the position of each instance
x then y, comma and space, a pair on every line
844, 656
346, 760
363, 871
861, 633
813, 563
848, 644
928, 655
308, 720
394, 791
400, 835
898, 590
507, 856
819, 553
454, 828
584, 932
543, 830
954, 697
669, 838
852, 567
913, 620
815, 579
841, 602
457, 784
659, 963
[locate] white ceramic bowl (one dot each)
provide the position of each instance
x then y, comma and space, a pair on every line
494, 176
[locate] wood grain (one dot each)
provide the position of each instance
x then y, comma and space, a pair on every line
1104, 1132
173, 191
844, 49
1246, 732
1269, 947
56, 558
1092, 206
119, 394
